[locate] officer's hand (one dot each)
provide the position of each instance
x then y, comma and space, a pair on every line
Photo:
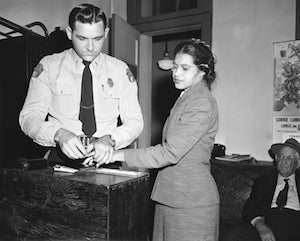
89, 160
264, 231
103, 148
70, 144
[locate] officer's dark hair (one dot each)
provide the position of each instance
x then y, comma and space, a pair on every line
86, 13
202, 55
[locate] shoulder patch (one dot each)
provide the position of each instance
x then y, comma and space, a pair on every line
130, 75
37, 70
110, 82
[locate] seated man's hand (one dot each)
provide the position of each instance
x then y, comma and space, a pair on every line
69, 144
264, 231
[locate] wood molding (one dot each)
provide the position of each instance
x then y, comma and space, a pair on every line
297, 19
180, 24
181, 21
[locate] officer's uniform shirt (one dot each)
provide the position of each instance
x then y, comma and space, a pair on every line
55, 88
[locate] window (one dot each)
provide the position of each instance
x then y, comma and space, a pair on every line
150, 8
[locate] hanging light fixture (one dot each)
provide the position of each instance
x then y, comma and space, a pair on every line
166, 63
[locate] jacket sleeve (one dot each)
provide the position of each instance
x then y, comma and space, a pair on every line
32, 117
130, 113
191, 126
260, 198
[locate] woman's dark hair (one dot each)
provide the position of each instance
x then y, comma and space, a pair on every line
202, 55
86, 13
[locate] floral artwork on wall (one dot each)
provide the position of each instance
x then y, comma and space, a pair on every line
286, 90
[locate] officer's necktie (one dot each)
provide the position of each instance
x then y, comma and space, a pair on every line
87, 114
282, 196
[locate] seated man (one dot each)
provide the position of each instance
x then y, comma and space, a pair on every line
272, 210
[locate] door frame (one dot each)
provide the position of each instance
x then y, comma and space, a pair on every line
203, 22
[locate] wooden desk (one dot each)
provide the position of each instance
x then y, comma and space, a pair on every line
46, 205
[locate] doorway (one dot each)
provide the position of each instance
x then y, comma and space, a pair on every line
164, 94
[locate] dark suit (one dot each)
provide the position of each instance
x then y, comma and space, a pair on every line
260, 200
283, 223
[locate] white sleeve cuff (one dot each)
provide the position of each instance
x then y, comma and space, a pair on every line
253, 221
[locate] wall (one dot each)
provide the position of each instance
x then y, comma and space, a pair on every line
243, 35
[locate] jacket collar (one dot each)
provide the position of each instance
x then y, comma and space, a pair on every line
196, 88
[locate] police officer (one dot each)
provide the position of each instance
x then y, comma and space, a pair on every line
50, 115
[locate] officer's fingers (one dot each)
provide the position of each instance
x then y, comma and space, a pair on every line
68, 151
73, 148
90, 149
92, 153
88, 161
76, 152
79, 146
66, 148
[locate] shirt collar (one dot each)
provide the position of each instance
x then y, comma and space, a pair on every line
78, 60
291, 179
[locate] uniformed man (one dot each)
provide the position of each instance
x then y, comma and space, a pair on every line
52, 109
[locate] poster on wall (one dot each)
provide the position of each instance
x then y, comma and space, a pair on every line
286, 91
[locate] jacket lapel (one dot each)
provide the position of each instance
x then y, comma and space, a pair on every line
177, 108
297, 177
272, 182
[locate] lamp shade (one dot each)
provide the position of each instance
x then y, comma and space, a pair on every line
166, 63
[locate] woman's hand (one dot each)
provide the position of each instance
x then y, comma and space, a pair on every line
100, 151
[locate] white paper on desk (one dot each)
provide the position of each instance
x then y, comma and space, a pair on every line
234, 158
118, 172
59, 168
